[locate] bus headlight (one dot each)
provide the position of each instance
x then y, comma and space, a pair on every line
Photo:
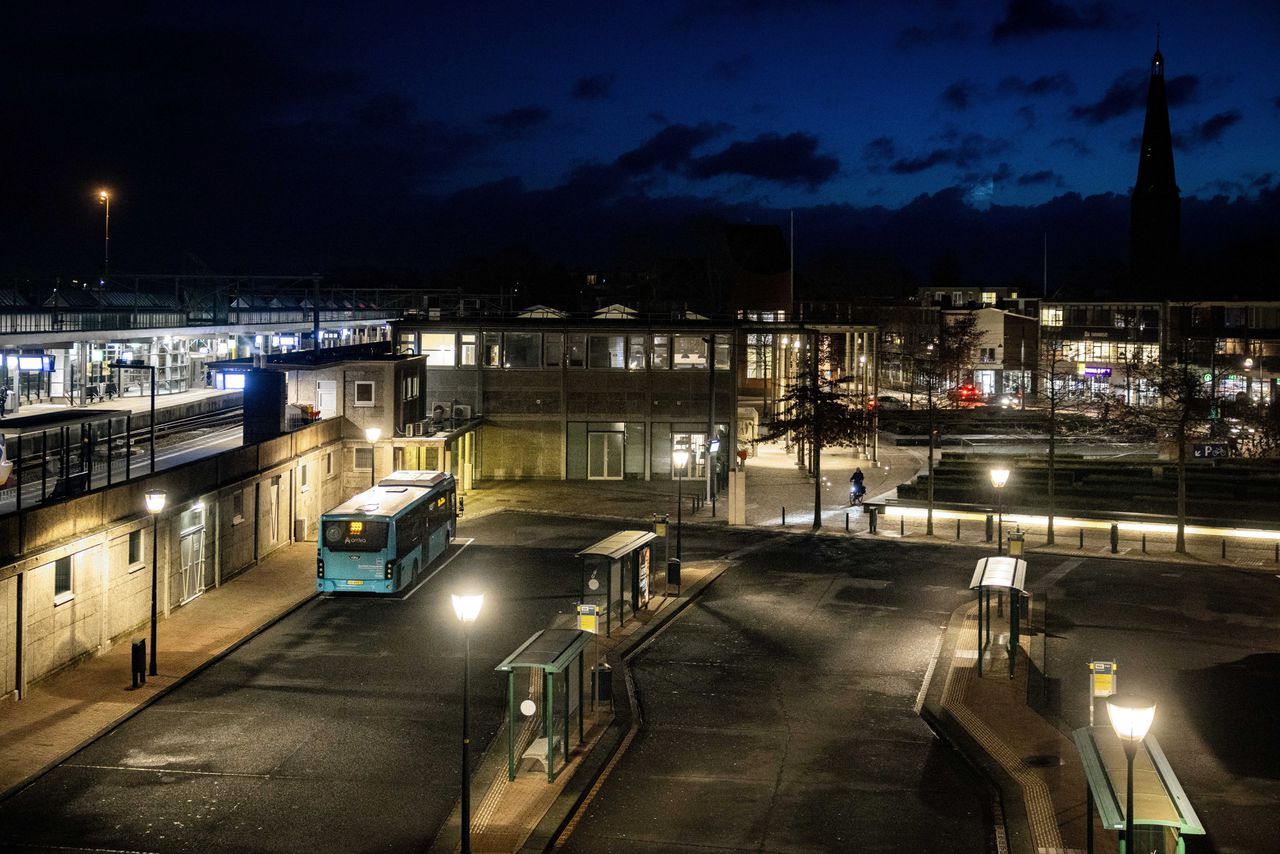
319, 567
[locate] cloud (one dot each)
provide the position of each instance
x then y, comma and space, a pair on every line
918, 37
698, 10
1045, 177
882, 148
966, 151
1207, 131
1275, 102
594, 87
791, 160
670, 148
1046, 84
961, 94
1027, 19
518, 119
732, 69
1028, 116
1128, 93
1075, 143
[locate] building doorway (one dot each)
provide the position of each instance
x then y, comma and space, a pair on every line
604, 455
327, 398
696, 445
191, 556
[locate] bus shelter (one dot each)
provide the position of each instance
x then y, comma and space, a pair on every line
998, 575
1162, 814
548, 670
619, 577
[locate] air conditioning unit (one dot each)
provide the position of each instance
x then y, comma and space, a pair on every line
461, 413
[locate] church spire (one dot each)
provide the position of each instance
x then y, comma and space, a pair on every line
1155, 210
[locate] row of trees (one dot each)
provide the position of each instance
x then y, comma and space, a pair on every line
1179, 409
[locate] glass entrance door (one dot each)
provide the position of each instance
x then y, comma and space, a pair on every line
191, 553
696, 445
604, 455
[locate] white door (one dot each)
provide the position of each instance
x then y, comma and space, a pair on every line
604, 456
327, 398
191, 552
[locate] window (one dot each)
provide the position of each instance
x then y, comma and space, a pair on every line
987, 354
408, 343
62, 580
577, 350
759, 356
363, 459
660, 358
1051, 316
722, 352
635, 352
523, 349
364, 393
302, 478
491, 356
328, 464
957, 298
438, 347
988, 298
553, 350
689, 351
467, 350
135, 548
604, 351
408, 388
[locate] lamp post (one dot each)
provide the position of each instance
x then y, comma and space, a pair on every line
680, 458
999, 477
1131, 717
155, 504
372, 435
104, 196
467, 608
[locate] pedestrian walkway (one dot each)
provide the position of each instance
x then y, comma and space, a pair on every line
63, 712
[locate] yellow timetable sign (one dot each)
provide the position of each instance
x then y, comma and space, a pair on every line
588, 619
1102, 674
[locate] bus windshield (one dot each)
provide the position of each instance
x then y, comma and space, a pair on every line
355, 535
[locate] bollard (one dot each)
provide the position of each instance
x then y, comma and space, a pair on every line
1082, 538
1115, 538
1144, 542
1224, 548
999, 603
990, 527
957, 529
784, 517
138, 662
902, 526
871, 524
1277, 552
846, 523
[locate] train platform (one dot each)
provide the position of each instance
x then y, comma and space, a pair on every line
128, 403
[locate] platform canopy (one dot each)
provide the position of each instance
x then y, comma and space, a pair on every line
1003, 572
550, 650
1158, 798
616, 545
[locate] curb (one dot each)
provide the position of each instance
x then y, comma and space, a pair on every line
1014, 831
181, 680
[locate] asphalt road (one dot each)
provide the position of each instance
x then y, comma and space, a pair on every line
779, 713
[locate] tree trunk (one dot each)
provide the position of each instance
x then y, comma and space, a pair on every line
1181, 545
817, 437
1053, 436
929, 518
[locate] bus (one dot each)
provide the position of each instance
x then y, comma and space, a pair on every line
382, 539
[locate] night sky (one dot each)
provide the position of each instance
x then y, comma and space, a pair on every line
947, 138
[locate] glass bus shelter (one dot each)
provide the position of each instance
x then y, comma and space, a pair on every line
619, 576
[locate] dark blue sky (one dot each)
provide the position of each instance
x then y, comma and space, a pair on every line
265, 137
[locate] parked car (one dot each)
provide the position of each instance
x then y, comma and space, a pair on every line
966, 394
885, 401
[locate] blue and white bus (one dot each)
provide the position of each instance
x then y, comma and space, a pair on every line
382, 539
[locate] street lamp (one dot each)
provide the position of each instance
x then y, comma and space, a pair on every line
999, 477
680, 459
372, 435
104, 196
1131, 717
155, 499
467, 607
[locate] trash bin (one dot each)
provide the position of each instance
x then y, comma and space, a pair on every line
872, 511
1015, 544
139, 662
673, 571
602, 683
